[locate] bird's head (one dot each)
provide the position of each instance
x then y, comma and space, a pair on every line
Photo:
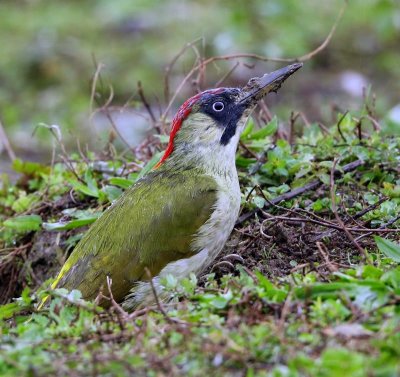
208, 125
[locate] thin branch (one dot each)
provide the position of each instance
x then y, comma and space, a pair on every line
313, 185
323, 128
198, 82
249, 151
323, 252
338, 219
293, 117
223, 263
96, 77
105, 107
353, 218
157, 300
375, 123
390, 222
121, 312
250, 56
327, 39
115, 128
227, 74
169, 67
299, 267
339, 123
325, 224
55, 131
6, 143
284, 313
370, 208
145, 102
265, 110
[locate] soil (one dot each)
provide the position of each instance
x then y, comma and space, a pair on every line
286, 248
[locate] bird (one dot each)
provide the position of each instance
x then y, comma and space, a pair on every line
177, 218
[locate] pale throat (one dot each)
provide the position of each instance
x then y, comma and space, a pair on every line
198, 143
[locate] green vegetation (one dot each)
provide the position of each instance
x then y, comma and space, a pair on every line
297, 326
309, 282
321, 311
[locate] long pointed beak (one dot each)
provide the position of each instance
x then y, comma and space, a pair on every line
258, 87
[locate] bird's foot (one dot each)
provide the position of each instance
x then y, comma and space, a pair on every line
228, 262
233, 257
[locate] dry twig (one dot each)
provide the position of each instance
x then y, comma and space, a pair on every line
147, 106
313, 185
122, 314
322, 250
6, 143
158, 302
214, 59
338, 219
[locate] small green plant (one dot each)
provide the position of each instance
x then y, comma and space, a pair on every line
293, 296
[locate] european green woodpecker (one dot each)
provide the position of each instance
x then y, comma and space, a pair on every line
177, 218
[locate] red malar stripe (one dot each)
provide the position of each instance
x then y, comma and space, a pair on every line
180, 116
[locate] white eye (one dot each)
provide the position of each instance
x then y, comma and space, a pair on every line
218, 106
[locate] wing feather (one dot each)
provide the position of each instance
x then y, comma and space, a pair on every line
151, 225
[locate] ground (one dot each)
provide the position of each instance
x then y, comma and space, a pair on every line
308, 284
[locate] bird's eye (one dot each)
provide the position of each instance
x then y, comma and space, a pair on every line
218, 106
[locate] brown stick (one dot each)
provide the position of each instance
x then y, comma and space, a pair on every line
153, 289
357, 216
326, 224
284, 313
251, 56
338, 219
157, 300
145, 102
121, 312
327, 39
169, 67
96, 77
369, 208
298, 191
339, 123
249, 151
323, 252
227, 74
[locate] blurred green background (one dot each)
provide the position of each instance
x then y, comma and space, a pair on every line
49, 50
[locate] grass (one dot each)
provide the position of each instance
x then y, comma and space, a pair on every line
297, 326
291, 294
309, 282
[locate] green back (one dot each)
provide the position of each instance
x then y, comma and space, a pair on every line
151, 225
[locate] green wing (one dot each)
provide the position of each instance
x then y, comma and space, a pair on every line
151, 225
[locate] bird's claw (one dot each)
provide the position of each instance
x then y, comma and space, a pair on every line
234, 257
223, 264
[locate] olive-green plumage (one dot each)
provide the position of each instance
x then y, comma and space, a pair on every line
152, 225
176, 219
